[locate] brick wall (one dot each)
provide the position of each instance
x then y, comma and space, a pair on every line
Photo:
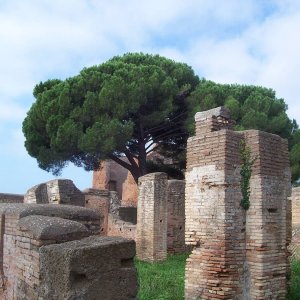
45, 255
129, 192
176, 216
151, 233
100, 201
110, 176
11, 198
237, 254
57, 191
295, 244
118, 227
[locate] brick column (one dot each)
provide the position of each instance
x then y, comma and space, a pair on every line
176, 216
238, 253
151, 235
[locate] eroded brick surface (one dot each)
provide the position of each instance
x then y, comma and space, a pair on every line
11, 198
237, 254
176, 216
57, 191
51, 252
295, 244
151, 233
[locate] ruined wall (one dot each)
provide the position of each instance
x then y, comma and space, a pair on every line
129, 192
46, 254
296, 206
11, 198
151, 233
237, 254
295, 244
176, 216
100, 201
110, 176
119, 227
57, 191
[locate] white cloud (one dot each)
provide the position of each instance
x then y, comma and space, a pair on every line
251, 42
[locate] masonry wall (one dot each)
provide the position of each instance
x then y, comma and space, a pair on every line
118, 227
129, 192
237, 254
176, 216
46, 254
151, 233
110, 176
57, 191
11, 198
99, 200
295, 244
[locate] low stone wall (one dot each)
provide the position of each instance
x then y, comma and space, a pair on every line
11, 198
99, 200
118, 227
46, 254
57, 191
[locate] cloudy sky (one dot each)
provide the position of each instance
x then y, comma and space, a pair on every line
227, 41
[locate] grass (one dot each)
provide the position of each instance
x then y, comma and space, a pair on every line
294, 292
165, 280
162, 281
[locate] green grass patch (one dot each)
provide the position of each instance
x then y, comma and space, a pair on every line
165, 280
162, 281
294, 292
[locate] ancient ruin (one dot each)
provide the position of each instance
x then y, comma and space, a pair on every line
151, 234
84, 248
295, 244
55, 252
11, 198
57, 191
238, 253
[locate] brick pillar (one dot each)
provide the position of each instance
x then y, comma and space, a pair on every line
237, 254
267, 220
151, 235
176, 216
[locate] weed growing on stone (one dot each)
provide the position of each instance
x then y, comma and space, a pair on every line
162, 281
246, 171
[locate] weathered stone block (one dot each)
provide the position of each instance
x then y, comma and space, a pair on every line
57, 191
92, 268
52, 228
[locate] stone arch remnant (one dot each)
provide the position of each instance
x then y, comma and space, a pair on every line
237, 253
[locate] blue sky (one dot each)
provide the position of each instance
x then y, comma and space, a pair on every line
227, 41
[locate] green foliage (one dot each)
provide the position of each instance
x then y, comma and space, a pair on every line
132, 103
252, 107
165, 281
116, 108
294, 291
246, 171
162, 281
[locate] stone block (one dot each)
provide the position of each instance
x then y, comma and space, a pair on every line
52, 228
92, 268
57, 191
